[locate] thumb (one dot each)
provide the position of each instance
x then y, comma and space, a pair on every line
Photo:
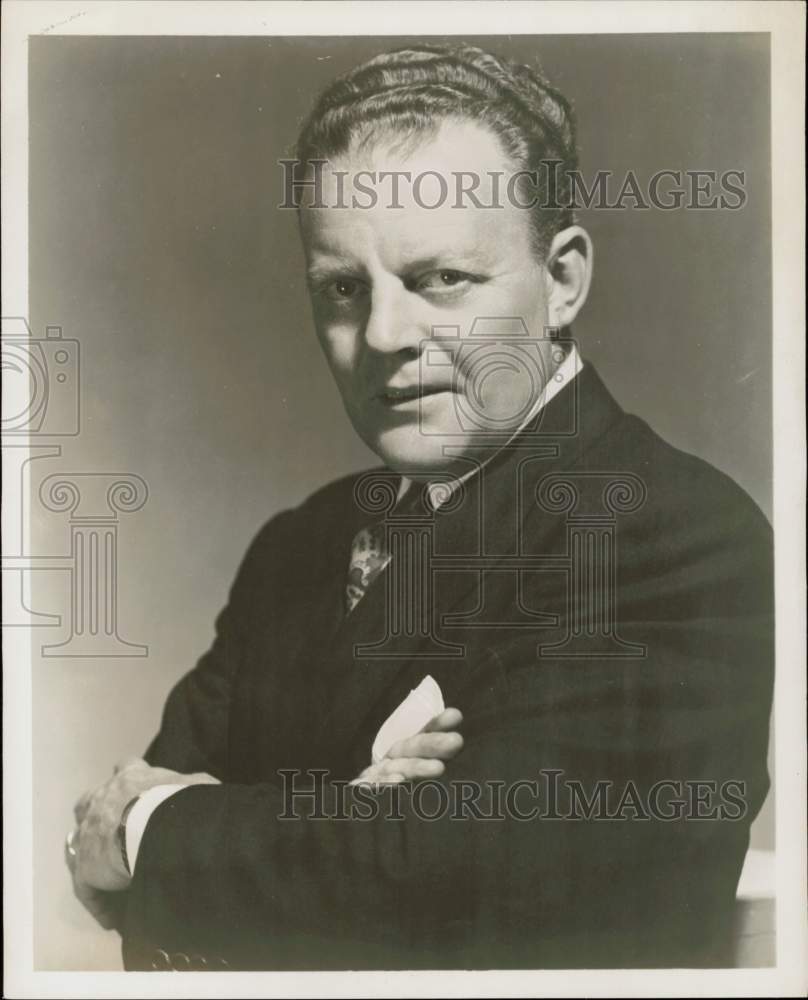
127, 763
201, 778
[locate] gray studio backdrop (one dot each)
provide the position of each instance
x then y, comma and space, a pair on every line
155, 242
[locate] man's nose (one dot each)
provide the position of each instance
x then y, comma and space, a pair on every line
394, 323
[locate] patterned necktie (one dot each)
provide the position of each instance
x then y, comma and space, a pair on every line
369, 556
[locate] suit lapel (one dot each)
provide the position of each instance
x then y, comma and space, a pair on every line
496, 517
499, 518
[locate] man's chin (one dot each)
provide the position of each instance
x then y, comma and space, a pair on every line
411, 453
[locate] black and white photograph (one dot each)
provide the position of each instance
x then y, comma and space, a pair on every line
403, 526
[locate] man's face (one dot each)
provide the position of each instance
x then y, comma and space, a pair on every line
387, 282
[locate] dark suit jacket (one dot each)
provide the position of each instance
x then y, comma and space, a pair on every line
679, 690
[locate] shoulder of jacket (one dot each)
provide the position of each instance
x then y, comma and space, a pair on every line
681, 482
329, 504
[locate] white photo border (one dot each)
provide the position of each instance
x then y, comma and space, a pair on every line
785, 23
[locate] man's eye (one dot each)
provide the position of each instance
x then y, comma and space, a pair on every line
445, 279
343, 289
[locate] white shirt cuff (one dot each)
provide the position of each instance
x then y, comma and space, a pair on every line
140, 814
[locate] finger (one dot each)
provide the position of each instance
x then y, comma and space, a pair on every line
202, 779
99, 905
412, 768
406, 768
375, 780
449, 718
438, 746
71, 850
367, 777
81, 807
128, 762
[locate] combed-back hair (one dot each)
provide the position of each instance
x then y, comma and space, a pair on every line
407, 94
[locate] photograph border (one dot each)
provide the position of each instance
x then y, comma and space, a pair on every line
785, 22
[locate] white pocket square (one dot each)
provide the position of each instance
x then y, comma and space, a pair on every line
421, 704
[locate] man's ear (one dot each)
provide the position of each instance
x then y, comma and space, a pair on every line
569, 273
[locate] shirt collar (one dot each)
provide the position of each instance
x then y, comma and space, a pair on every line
568, 369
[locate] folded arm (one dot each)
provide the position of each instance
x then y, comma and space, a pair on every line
222, 873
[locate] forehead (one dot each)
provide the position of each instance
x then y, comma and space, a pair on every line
431, 212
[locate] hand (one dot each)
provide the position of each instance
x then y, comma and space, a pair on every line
419, 756
95, 862
105, 907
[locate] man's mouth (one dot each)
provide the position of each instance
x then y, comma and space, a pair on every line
400, 395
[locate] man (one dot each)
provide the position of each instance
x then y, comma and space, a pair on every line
594, 606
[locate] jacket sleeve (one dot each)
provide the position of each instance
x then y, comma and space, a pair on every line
194, 731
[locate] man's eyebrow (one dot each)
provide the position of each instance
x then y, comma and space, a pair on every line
449, 258
324, 266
